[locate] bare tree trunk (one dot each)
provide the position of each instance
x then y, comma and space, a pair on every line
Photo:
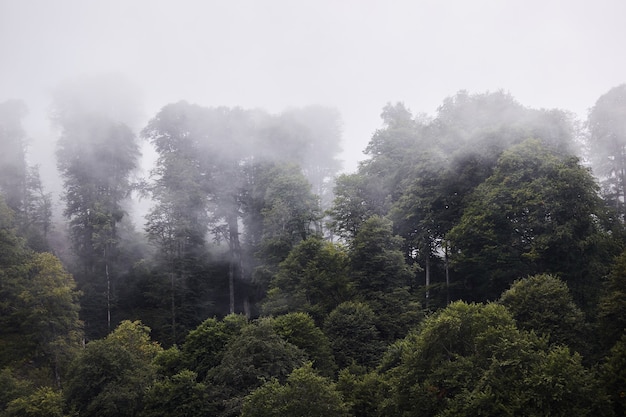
108, 293
427, 270
446, 266
235, 259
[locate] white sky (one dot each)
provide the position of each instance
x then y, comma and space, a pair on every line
353, 55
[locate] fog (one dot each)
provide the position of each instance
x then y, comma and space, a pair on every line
351, 55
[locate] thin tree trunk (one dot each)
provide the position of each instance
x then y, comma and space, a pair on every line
108, 279
427, 275
447, 273
235, 259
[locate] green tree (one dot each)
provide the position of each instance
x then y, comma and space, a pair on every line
43, 402
96, 153
20, 184
205, 345
543, 303
256, 355
13, 165
613, 375
39, 326
612, 305
470, 359
178, 223
111, 375
353, 335
304, 394
312, 279
178, 396
607, 142
537, 213
300, 330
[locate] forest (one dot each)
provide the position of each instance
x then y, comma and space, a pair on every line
474, 264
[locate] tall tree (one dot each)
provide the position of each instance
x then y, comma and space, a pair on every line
20, 184
178, 222
537, 213
96, 153
607, 136
13, 159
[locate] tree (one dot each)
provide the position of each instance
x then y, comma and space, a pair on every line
613, 375
312, 279
300, 330
607, 137
353, 335
96, 153
111, 375
376, 259
537, 213
39, 326
178, 223
13, 165
612, 305
205, 345
470, 359
178, 396
304, 394
20, 183
543, 303
256, 355
43, 402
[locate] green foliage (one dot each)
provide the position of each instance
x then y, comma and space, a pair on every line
178, 396
300, 330
536, 214
204, 346
613, 376
111, 375
353, 335
376, 259
543, 303
365, 394
256, 355
313, 279
96, 153
43, 402
470, 359
612, 306
304, 394
607, 137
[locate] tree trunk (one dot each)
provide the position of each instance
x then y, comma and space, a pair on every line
447, 273
235, 258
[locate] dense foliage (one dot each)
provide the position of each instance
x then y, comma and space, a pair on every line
472, 265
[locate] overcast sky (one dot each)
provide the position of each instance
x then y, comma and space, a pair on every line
353, 55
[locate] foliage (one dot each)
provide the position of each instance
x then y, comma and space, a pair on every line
365, 394
613, 375
304, 394
543, 303
353, 335
607, 137
256, 355
312, 279
376, 260
178, 396
470, 359
536, 214
300, 330
43, 402
96, 154
205, 346
612, 305
111, 375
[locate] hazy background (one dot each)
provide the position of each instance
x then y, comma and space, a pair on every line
353, 55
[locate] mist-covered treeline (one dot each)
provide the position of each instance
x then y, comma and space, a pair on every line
472, 264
